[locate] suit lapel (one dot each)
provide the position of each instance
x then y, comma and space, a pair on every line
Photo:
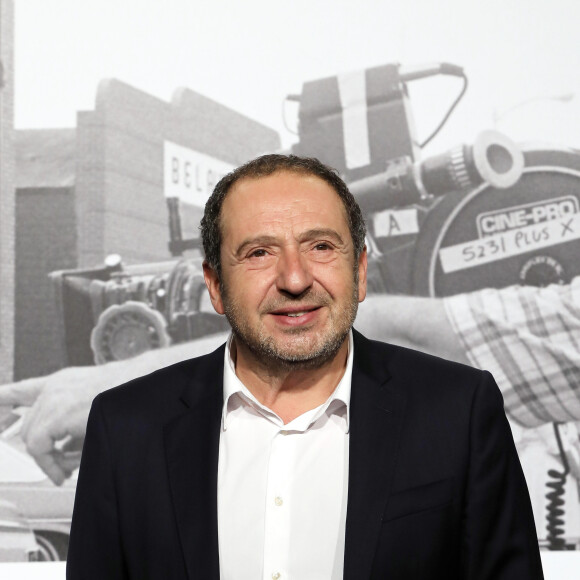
192, 446
376, 410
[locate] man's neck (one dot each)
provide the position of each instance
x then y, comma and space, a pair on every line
286, 391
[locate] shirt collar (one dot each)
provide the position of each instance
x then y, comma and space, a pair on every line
237, 395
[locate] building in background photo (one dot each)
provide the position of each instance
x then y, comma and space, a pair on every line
7, 218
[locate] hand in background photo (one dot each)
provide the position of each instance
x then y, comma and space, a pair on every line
59, 403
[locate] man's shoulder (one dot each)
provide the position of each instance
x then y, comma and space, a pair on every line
166, 385
430, 386
393, 354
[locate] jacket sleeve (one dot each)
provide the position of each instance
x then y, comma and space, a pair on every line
95, 550
499, 535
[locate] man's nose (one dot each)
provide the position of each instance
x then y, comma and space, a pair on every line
294, 274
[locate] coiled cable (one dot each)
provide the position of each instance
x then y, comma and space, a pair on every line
555, 497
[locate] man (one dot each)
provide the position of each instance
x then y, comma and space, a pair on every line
299, 449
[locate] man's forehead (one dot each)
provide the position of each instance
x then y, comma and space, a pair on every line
303, 197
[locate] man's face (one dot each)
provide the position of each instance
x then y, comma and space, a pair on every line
290, 286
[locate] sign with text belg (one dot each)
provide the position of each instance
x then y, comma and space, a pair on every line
190, 175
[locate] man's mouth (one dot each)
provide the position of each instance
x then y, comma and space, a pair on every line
292, 313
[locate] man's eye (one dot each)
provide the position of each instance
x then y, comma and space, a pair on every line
322, 246
258, 254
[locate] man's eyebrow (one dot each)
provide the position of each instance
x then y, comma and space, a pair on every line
321, 233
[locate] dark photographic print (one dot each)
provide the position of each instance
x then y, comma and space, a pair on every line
455, 124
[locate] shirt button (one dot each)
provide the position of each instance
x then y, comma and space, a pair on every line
278, 501
283, 432
276, 576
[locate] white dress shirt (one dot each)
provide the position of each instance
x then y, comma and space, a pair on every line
282, 489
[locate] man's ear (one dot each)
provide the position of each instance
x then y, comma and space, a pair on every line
362, 275
213, 286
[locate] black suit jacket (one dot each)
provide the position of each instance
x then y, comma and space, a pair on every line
435, 485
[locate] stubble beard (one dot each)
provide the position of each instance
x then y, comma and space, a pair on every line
304, 353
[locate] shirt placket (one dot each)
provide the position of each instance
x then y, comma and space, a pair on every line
278, 506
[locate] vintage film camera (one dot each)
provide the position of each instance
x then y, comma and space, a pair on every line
486, 214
